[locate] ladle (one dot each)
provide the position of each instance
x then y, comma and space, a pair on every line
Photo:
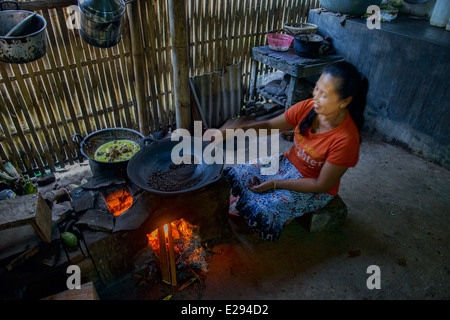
19, 28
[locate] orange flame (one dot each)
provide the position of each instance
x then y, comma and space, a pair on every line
180, 228
185, 237
119, 201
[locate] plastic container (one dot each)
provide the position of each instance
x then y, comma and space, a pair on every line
279, 41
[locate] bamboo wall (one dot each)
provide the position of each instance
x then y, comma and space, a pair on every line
78, 88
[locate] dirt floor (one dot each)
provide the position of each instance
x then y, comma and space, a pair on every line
398, 219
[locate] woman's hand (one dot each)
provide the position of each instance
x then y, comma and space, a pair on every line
246, 123
256, 185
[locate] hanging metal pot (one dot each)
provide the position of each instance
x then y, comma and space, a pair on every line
22, 34
101, 21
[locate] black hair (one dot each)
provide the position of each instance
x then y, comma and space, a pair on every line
352, 84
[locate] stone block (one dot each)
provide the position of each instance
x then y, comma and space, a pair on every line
330, 217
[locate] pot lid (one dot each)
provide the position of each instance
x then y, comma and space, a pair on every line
102, 9
312, 37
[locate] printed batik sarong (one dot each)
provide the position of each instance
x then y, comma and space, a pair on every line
268, 212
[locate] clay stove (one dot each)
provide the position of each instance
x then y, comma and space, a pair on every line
116, 219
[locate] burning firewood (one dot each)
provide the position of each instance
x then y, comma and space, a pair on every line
188, 254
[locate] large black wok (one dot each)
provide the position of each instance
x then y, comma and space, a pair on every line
157, 155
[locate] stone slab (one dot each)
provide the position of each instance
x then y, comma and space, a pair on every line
330, 217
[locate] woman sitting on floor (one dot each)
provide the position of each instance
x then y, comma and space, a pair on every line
326, 143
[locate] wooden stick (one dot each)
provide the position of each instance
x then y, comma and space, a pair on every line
152, 65
192, 270
228, 23
173, 272
197, 43
210, 48
180, 62
165, 264
138, 58
167, 71
186, 284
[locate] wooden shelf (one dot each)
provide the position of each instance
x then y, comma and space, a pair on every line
290, 63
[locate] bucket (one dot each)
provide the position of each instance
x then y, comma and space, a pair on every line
22, 35
101, 21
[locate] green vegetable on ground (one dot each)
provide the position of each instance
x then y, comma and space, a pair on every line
69, 238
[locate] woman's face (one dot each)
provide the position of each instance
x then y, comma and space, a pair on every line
326, 99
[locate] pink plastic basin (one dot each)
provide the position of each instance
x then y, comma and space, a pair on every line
279, 41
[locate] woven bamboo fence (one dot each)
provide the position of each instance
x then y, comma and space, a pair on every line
78, 88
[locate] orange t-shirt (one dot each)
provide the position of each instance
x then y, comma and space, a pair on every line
339, 146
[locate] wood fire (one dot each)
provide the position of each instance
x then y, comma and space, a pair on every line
181, 230
182, 246
119, 201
